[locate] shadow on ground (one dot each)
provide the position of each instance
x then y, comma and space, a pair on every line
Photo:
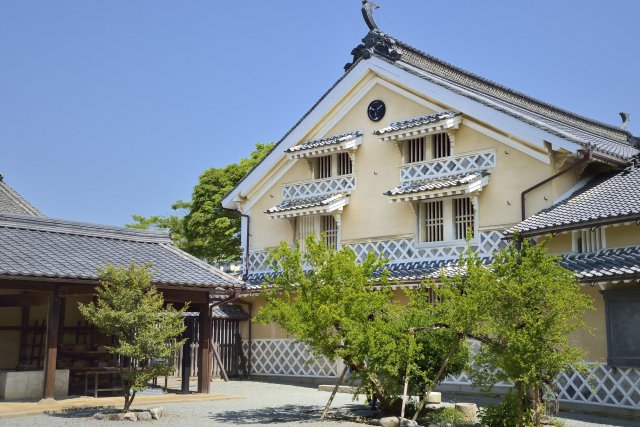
78, 412
280, 415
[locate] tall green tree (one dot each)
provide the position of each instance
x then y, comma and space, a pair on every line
533, 305
345, 309
206, 230
129, 308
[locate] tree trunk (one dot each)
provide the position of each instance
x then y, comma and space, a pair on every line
427, 392
520, 402
333, 394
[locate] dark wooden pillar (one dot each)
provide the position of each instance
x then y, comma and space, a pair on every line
53, 326
186, 353
204, 369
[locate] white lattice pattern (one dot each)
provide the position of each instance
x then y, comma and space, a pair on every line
491, 241
258, 261
405, 249
319, 187
602, 385
287, 357
454, 165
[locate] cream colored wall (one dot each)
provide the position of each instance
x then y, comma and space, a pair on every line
369, 215
260, 331
561, 243
593, 338
623, 235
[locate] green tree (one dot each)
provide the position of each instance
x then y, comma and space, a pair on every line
532, 305
345, 309
129, 308
522, 308
208, 231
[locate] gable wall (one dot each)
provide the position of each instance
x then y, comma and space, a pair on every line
369, 215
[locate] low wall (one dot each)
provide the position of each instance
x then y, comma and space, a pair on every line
30, 384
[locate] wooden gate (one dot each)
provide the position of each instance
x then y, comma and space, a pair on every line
226, 338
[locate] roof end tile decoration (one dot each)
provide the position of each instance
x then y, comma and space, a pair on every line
426, 124
604, 199
342, 142
309, 206
440, 187
375, 42
58, 249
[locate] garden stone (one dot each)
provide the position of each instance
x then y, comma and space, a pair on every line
115, 417
144, 416
469, 410
435, 397
130, 416
156, 413
395, 422
99, 416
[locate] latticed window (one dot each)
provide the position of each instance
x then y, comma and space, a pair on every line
323, 167
433, 221
305, 226
589, 240
329, 230
344, 164
463, 217
415, 150
441, 145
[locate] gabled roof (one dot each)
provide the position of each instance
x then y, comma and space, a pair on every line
13, 203
32, 247
605, 199
608, 142
606, 138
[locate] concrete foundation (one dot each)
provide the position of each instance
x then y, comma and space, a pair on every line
29, 384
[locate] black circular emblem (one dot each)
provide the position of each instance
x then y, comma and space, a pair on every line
376, 110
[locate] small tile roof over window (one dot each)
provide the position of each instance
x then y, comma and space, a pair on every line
305, 203
418, 121
437, 184
11, 202
603, 199
323, 142
605, 265
58, 249
229, 312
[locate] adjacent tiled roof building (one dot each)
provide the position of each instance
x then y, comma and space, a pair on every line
68, 250
605, 199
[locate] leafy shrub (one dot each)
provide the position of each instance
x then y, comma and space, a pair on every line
444, 416
505, 414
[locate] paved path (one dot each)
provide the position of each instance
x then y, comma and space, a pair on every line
264, 404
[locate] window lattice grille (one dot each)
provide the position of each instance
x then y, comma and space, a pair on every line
305, 227
434, 222
416, 150
441, 145
330, 231
323, 167
463, 217
590, 240
344, 164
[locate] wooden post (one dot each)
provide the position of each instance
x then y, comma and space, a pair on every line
53, 326
204, 370
186, 354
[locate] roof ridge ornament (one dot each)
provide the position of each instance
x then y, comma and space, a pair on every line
626, 117
367, 13
375, 42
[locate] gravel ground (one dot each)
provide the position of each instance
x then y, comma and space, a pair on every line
265, 404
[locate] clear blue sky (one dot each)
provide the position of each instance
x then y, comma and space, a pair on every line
109, 108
